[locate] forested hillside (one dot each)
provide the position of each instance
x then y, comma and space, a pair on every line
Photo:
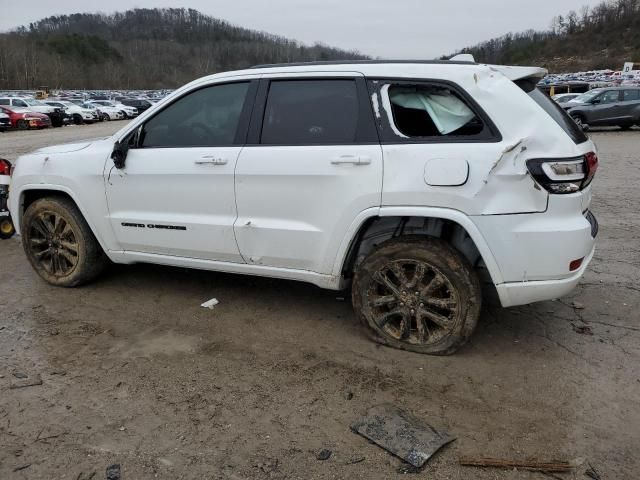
140, 48
601, 37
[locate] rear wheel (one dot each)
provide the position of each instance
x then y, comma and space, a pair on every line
418, 294
59, 244
626, 127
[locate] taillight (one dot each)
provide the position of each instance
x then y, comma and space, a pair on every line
566, 175
5, 167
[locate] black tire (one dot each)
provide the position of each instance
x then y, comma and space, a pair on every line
106, 117
52, 228
7, 230
625, 127
437, 314
22, 125
77, 119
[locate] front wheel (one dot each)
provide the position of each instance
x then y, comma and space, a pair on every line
59, 244
418, 294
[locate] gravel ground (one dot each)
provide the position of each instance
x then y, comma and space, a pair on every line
135, 372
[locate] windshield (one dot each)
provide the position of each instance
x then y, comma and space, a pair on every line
587, 97
31, 102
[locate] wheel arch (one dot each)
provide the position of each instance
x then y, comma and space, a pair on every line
29, 195
378, 225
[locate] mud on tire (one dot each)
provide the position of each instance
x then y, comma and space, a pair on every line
59, 244
417, 293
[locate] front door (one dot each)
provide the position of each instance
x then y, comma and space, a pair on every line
175, 195
315, 164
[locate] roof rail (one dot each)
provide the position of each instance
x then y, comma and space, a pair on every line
465, 61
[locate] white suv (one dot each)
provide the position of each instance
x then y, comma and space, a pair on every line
403, 180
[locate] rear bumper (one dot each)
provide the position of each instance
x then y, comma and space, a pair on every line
522, 293
535, 253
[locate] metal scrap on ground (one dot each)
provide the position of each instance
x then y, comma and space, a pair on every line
529, 465
210, 303
401, 434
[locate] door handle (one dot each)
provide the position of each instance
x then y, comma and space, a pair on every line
352, 160
211, 160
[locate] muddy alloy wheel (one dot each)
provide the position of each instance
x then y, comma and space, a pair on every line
59, 244
7, 229
22, 125
54, 243
418, 294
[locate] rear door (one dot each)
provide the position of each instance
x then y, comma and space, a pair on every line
312, 165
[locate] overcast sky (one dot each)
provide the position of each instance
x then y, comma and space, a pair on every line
381, 28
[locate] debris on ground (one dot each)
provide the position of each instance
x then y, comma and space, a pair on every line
210, 303
268, 465
89, 476
401, 434
22, 380
22, 467
348, 395
577, 305
592, 473
529, 465
355, 460
324, 454
407, 469
113, 472
582, 329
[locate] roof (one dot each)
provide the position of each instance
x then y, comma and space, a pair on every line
365, 62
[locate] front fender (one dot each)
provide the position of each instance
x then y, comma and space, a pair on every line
16, 202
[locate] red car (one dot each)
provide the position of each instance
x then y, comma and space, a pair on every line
24, 119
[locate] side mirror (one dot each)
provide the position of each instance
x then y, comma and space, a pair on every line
120, 149
119, 155
596, 101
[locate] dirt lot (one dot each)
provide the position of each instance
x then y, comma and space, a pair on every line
135, 372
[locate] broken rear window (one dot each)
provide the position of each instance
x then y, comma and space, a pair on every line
431, 111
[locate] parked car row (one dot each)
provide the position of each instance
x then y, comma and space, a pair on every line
596, 78
20, 110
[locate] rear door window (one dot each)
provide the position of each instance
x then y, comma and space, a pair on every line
630, 95
310, 112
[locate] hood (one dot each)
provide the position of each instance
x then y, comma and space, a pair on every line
65, 148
